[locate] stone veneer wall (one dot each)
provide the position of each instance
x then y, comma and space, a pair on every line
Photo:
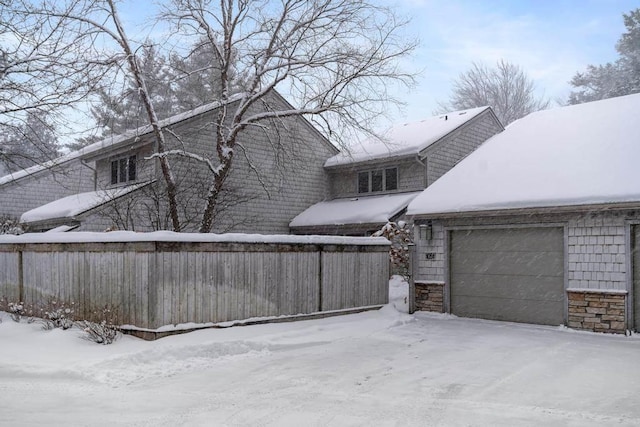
597, 311
430, 297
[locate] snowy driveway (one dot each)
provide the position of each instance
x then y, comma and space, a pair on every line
378, 368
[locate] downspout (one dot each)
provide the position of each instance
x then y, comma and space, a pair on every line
95, 174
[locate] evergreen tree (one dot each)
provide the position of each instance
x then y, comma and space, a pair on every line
621, 77
175, 84
28, 143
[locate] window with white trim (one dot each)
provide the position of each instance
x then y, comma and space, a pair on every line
124, 170
378, 180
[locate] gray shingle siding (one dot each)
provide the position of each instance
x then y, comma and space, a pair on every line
24, 194
596, 250
439, 158
595, 245
144, 168
430, 270
411, 173
281, 175
446, 153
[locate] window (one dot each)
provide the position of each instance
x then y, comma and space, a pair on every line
378, 180
123, 170
363, 182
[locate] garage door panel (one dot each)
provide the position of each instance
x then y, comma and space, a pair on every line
516, 263
516, 239
539, 312
508, 274
525, 288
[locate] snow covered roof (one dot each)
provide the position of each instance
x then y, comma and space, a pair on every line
358, 210
112, 141
76, 204
406, 139
578, 155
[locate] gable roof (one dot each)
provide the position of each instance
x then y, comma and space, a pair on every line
356, 210
115, 141
583, 154
406, 139
109, 142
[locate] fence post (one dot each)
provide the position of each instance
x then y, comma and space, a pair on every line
20, 277
413, 268
320, 279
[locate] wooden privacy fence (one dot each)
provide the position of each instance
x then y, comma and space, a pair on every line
164, 278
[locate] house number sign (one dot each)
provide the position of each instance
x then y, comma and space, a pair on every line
431, 255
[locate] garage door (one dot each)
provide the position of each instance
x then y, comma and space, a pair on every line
508, 274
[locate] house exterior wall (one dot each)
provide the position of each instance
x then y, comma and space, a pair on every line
415, 174
596, 260
24, 194
446, 153
145, 169
344, 181
277, 172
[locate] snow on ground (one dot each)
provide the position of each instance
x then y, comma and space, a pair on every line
383, 368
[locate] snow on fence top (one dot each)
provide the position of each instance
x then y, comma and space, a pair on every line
170, 236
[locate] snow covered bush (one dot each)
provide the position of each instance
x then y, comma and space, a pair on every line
10, 225
103, 331
57, 315
17, 310
400, 236
100, 333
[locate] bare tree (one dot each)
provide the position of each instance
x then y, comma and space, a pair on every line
506, 88
332, 58
42, 70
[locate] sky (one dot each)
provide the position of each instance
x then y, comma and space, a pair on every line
549, 40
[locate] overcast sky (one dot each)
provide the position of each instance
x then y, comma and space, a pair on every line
550, 39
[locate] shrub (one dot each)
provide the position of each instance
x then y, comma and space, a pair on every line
400, 236
100, 333
10, 225
57, 315
104, 330
17, 310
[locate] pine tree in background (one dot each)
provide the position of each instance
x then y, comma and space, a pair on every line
621, 77
28, 143
176, 85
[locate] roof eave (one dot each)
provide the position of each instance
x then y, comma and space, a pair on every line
420, 153
582, 208
379, 160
